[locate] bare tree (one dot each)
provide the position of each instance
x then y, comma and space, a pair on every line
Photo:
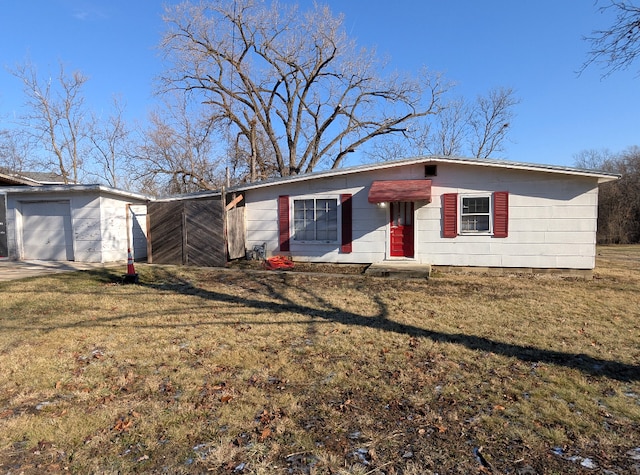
56, 117
249, 161
176, 152
477, 129
290, 79
450, 130
489, 120
618, 46
110, 142
593, 159
618, 201
14, 151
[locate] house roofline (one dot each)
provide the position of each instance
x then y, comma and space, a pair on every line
39, 189
18, 180
602, 176
190, 196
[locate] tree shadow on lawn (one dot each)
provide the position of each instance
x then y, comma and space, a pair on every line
582, 362
331, 313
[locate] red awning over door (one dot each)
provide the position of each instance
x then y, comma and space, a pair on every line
400, 190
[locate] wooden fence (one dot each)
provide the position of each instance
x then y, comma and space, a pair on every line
189, 232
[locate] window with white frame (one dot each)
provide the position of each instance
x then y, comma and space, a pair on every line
315, 219
475, 214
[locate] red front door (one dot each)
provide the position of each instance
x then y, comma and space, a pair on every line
401, 217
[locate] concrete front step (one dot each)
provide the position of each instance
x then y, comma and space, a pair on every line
399, 270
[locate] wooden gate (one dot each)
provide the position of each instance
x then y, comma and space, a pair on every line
189, 232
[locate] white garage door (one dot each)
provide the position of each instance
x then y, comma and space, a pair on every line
46, 230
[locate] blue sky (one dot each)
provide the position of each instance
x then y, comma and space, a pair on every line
534, 47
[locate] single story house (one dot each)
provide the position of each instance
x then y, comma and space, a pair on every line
85, 223
441, 211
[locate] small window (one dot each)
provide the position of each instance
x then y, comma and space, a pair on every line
475, 214
430, 170
315, 220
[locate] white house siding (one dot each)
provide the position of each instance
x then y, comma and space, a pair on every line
87, 231
369, 222
552, 218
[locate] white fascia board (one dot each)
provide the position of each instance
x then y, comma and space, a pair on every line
45, 189
599, 175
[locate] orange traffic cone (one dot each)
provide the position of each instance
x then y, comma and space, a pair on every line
130, 268
131, 277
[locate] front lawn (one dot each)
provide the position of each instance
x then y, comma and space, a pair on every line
235, 371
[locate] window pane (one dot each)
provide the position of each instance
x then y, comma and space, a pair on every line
475, 205
479, 222
326, 220
303, 225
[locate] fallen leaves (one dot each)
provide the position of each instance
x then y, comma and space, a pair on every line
264, 434
219, 391
124, 423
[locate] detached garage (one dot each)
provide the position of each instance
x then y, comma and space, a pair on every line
84, 223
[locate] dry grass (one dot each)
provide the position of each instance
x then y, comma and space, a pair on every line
219, 371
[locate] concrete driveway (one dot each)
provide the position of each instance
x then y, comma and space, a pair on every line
11, 270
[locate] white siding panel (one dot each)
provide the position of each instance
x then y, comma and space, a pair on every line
113, 221
586, 225
576, 262
12, 240
86, 207
88, 251
552, 212
535, 236
87, 229
569, 237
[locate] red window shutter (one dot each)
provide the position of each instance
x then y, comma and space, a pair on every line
347, 211
283, 222
449, 215
501, 214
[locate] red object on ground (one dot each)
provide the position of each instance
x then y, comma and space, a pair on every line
131, 270
278, 262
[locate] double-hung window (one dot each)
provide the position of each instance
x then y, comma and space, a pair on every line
475, 214
315, 219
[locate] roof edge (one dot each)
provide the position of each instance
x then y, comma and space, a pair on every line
602, 176
74, 189
18, 180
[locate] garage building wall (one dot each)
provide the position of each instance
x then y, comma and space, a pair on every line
116, 215
98, 223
